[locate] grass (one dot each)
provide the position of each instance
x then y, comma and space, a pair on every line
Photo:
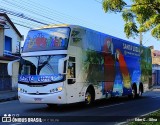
155, 116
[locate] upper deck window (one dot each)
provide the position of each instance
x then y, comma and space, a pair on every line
47, 39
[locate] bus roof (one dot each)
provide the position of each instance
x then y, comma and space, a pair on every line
52, 26
76, 26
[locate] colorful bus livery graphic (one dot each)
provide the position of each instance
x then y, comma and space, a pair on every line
109, 64
51, 39
124, 69
113, 67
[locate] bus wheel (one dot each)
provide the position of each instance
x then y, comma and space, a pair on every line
140, 90
89, 98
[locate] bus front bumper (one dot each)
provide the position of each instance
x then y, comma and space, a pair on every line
54, 98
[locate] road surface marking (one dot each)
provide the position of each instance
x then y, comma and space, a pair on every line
155, 97
121, 123
150, 112
111, 105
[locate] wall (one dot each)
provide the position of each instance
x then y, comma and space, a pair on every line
5, 79
155, 57
1, 41
155, 67
15, 75
10, 32
15, 38
15, 69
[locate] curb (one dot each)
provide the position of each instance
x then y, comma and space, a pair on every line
9, 99
6, 91
152, 89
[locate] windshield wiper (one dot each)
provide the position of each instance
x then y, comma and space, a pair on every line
41, 65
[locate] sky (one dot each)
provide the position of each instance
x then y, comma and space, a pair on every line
87, 13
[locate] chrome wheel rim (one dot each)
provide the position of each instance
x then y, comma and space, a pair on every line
88, 98
140, 92
133, 93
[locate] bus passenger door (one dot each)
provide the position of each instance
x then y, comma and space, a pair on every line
71, 80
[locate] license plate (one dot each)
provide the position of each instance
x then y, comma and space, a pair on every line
38, 99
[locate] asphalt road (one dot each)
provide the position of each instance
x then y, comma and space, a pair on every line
111, 111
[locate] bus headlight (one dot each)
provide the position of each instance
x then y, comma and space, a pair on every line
58, 89
21, 90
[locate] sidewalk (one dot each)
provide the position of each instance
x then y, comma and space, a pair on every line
155, 88
8, 95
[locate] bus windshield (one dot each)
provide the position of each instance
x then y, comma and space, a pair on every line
47, 39
40, 69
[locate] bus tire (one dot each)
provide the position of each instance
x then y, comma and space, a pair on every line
134, 91
89, 96
140, 90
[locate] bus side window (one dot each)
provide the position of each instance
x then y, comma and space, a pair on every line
71, 71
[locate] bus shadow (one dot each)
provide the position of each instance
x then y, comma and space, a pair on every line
97, 103
67, 108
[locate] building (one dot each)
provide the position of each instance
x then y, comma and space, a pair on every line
155, 66
10, 39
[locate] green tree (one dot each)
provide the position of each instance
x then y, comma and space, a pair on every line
140, 16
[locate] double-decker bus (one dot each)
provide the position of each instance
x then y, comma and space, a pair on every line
63, 64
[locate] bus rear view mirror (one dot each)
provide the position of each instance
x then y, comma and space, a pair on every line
61, 65
10, 66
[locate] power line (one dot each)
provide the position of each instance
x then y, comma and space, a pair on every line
15, 9
22, 25
40, 6
30, 24
50, 10
33, 7
21, 15
41, 9
98, 1
34, 12
16, 23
